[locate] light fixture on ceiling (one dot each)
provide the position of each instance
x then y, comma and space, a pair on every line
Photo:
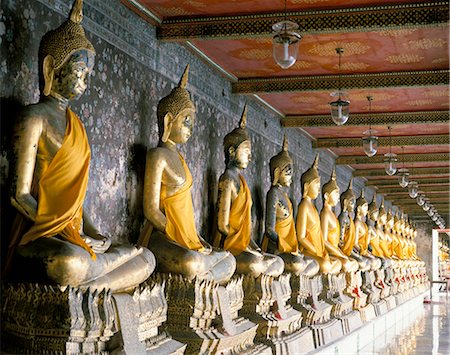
370, 140
426, 206
390, 161
341, 107
403, 173
420, 199
286, 41
413, 186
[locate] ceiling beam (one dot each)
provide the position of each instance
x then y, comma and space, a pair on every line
421, 78
421, 181
379, 159
417, 171
382, 141
363, 119
362, 19
433, 200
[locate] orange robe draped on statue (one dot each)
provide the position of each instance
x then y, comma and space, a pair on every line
349, 238
287, 237
62, 188
240, 230
314, 235
179, 212
334, 234
363, 240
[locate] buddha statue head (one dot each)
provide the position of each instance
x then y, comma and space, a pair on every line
402, 224
397, 223
362, 205
66, 57
176, 113
237, 145
348, 198
330, 191
373, 211
281, 166
390, 220
311, 180
407, 226
382, 214
414, 232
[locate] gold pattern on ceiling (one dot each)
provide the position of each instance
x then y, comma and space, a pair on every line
439, 60
352, 66
404, 58
301, 64
377, 96
309, 2
396, 33
329, 49
426, 43
305, 99
254, 53
437, 93
420, 102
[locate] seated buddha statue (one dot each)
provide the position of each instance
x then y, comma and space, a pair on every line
383, 237
234, 204
388, 234
309, 232
374, 237
362, 233
348, 239
169, 229
330, 225
280, 237
54, 239
398, 238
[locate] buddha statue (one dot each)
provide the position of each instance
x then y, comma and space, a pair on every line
309, 232
54, 240
169, 230
380, 228
374, 238
280, 236
362, 233
330, 225
388, 234
234, 203
348, 238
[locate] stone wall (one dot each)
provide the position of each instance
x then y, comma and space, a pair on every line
132, 72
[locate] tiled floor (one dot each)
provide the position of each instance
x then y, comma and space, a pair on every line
428, 334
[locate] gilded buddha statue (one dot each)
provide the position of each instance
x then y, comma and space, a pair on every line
234, 203
362, 233
169, 229
331, 229
309, 232
348, 237
280, 236
54, 239
383, 235
374, 236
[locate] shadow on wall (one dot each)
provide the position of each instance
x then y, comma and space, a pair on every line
9, 112
136, 168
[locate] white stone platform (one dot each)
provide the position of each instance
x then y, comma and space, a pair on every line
391, 322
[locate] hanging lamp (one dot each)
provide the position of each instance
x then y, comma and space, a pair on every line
403, 173
339, 108
370, 140
285, 42
390, 161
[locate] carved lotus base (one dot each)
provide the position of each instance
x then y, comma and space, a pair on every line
380, 307
326, 332
266, 304
390, 302
333, 293
351, 321
367, 313
204, 315
44, 319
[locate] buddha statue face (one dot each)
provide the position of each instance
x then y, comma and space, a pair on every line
181, 127
351, 204
285, 176
332, 197
389, 221
71, 80
242, 155
373, 214
363, 209
312, 188
382, 218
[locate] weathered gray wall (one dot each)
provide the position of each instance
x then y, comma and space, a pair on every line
132, 72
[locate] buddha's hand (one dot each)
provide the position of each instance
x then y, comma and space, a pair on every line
99, 243
205, 249
249, 249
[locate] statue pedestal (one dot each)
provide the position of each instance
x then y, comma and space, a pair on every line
204, 315
316, 313
266, 304
44, 319
342, 304
390, 302
367, 313
368, 287
380, 307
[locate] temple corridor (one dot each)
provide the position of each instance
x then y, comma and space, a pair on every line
428, 334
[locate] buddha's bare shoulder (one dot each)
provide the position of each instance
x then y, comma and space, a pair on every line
159, 154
